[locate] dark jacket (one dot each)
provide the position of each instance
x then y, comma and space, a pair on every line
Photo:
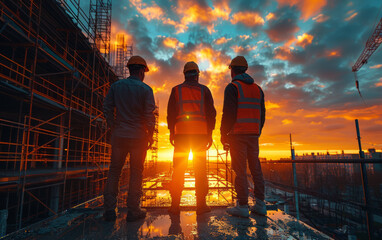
134, 104
230, 104
173, 108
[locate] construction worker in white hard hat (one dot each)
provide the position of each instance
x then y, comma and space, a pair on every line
132, 132
191, 117
242, 121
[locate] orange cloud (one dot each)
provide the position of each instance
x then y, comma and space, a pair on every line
245, 37
333, 53
287, 121
271, 105
237, 49
149, 12
194, 12
172, 43
379, 84
154, 12
377, 66
160, 88
320, 18
221, 10
351, 17
222, 40
249, 19
270, 16
304, 40
308, 8
283, 53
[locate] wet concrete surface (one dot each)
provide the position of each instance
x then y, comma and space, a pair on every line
158, 224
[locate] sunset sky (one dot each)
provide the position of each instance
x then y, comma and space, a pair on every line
299, 51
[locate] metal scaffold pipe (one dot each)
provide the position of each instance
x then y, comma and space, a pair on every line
365, 186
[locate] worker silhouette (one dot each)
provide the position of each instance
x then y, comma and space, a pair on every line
191, 119
242, 121
132, 132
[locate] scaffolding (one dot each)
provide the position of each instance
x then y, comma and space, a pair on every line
54, 151
122, 54
155, 145
100, 25
220, 183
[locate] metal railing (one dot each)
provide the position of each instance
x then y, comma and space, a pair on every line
339, 182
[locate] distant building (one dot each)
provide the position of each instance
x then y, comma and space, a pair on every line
372, 153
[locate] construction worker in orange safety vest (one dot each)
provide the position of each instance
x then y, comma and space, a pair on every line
191, 117
242, 122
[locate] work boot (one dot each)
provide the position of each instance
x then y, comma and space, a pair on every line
135, 215
201, 206
109, 216
259, 208
238, 210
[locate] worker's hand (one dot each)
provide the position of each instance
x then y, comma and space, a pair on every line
210, 141
172, 139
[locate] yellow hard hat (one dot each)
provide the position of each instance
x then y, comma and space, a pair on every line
239, 61
189, 66
137, 60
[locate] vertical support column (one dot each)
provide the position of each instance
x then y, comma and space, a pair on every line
295, 183
27, 117
3, 222
59, 153
365, 186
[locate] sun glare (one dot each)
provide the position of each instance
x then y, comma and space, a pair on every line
190, 156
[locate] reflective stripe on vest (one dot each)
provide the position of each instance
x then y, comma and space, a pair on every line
191, 118
248, 120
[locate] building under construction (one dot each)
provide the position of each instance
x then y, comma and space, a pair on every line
53, 78
56, 66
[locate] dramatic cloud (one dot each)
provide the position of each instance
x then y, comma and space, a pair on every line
308, 8
222, 40
299, 51
173, 43
304, 40
249, 19
283, 26
289, 54
320, 18
198, 12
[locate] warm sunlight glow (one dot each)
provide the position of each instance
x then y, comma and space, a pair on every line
190, 156
304, 40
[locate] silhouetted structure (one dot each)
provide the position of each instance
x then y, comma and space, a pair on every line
54, 150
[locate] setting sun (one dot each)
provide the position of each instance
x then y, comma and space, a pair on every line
190, 156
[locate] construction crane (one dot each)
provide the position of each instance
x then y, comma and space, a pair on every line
371, 45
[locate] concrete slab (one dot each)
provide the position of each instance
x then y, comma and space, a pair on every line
88, 224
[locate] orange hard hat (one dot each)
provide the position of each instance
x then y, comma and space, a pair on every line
239, 61
189, 66
137, 60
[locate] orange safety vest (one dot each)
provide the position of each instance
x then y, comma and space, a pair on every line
248, 118
192, 117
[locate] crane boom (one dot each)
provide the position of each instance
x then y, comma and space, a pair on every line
371, 45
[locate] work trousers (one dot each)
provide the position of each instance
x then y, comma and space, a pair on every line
183, 144
245, 148
120, 148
